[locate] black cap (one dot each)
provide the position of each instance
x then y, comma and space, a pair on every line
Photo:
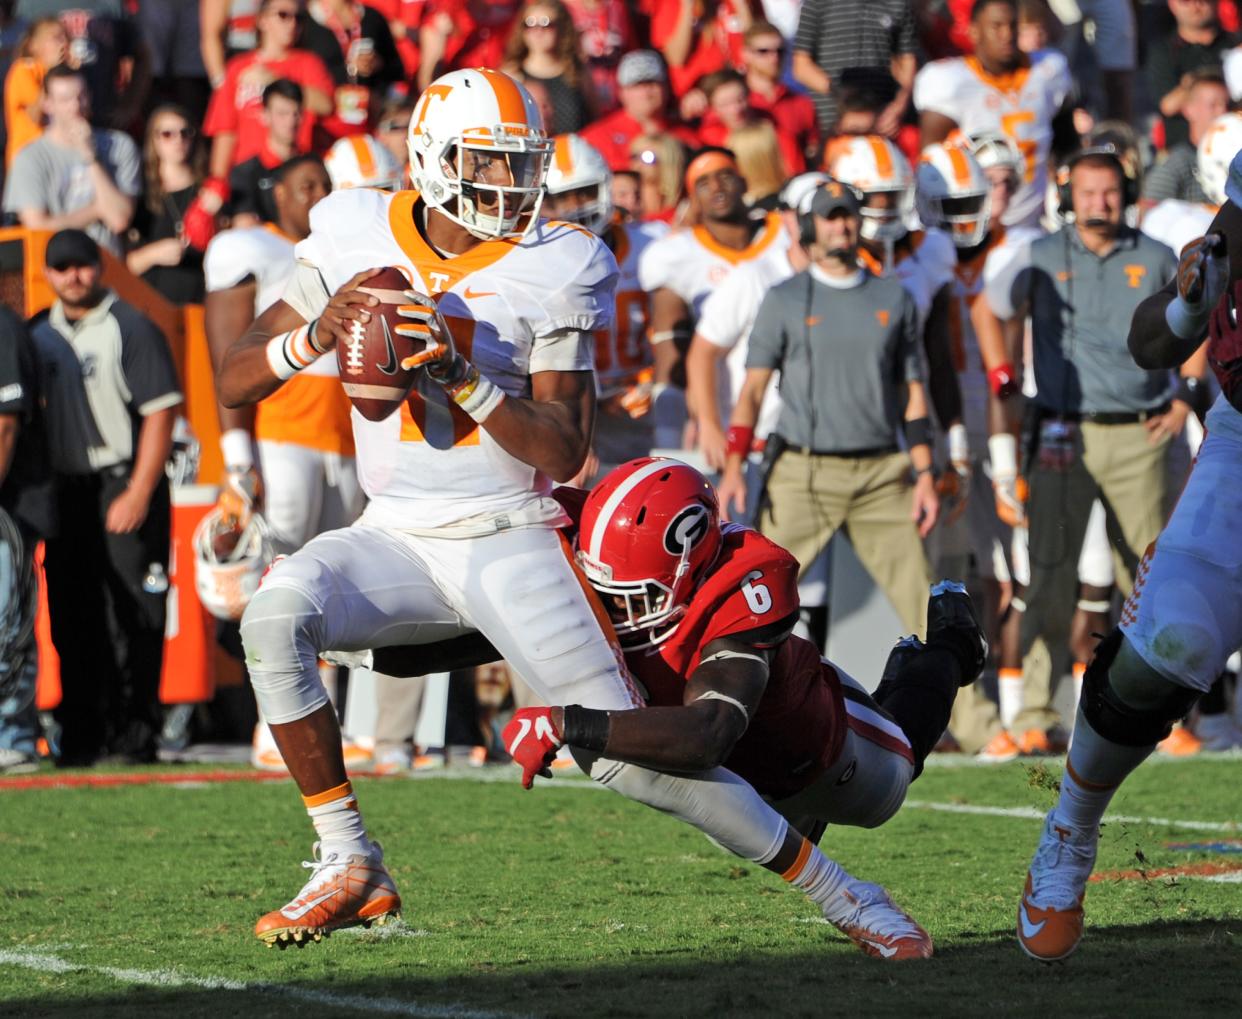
71, 247
829, 197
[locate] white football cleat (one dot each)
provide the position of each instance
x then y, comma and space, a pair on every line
1050, 913
344, 891
877, 925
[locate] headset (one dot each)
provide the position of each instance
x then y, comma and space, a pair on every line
806, 208
1129, 181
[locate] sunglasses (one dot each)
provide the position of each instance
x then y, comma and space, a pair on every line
543, 21
394, 125
175, 132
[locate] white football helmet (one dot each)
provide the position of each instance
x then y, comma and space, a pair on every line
359, 161
226, 582
577, 164
992, 148
874, 166
478, 153
953, 193
1220, 143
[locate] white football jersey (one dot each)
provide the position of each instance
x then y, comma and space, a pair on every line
726, 321
516, 307
1175, 223
692, 264
1021, 105
969, 281
924, 266
622, 349
310, 409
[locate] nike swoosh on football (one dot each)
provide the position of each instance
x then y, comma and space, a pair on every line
471, 294
1029, 930
888, 951
390, 366
301, 911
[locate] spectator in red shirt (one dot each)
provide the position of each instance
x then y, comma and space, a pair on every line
606, 33
644, 106
729, 108
763, 55
357, 48
463, 34
544, 48
235, 117
698, 37
251, 181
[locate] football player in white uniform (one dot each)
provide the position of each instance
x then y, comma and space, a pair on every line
681, 270
580, 191
460, 531
1181, 621
999, 88
304, 480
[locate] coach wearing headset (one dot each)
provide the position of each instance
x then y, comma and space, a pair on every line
846, 343
1098, 426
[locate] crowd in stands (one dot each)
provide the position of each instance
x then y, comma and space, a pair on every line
154, 126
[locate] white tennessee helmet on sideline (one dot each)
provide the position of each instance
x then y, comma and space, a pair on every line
1219, 144
227, 580
874, 165
359, 161
578, 166
953, 193
478, 153
992, 148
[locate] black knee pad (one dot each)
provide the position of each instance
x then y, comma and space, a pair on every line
1112, 717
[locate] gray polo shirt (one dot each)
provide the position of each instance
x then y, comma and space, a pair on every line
844, 355
100, 377
1080, 306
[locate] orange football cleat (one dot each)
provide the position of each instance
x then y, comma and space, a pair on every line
1038, 743
1050, 913
350, 891
1000, 748
1181, 742
880, 927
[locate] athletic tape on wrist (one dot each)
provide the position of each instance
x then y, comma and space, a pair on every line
1091, 606
288, 353
1185, 322
1003, 453
959, 444
237, 448
585, 728
477, 395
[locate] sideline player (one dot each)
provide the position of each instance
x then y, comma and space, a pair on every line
1000, 88
705, 613
1181, 621
460, 531
680, 271
304, 479
580, 191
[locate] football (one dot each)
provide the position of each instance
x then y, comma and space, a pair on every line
370, 359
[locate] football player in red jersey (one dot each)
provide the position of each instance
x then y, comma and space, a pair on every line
704, 611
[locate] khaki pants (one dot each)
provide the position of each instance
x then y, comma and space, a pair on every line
812, 497
1118, 465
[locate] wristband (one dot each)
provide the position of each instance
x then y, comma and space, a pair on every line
1185, 322
288, 353
585, 728
477, 395
918, 432
959, 444
740, 439
237, 447
1002, 380
1003, 453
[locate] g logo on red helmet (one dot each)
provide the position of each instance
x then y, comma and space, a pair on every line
687, 529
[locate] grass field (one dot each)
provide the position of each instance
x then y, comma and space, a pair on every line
569, 901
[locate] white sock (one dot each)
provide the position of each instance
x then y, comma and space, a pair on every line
1094, 768
1009, 690
338, 821
821, 878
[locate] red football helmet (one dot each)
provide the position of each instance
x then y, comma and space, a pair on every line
650, 531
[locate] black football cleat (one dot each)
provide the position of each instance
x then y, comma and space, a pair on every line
953, 625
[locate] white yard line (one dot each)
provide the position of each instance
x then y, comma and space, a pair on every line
1035, 814
43, 961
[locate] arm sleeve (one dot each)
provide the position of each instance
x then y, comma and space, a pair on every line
767, 335
911, 350
306, 292
722, 320
905, 35
587, 301
148, 366
15, 397
26, 185
932, 93
221, 115
807, 36
223, 266
653, 266
566, 350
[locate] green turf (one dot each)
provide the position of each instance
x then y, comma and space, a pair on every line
573, 902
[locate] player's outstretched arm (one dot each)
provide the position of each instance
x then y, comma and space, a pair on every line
280, 343
720, 699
